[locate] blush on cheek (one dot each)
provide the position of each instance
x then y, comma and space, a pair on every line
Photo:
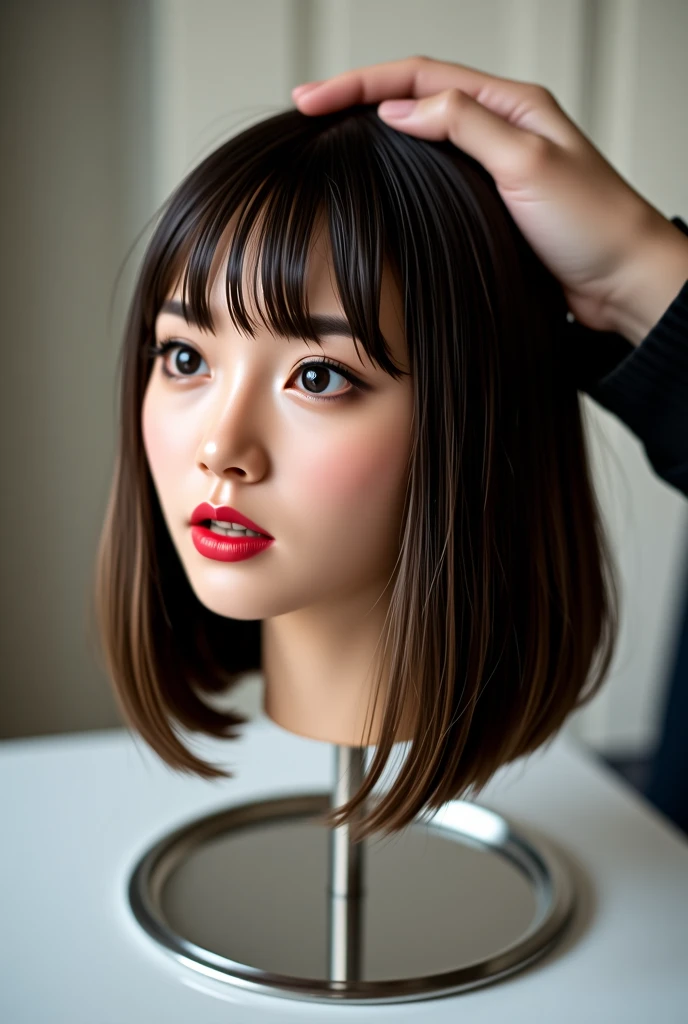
358, 470
162, 438
165, 434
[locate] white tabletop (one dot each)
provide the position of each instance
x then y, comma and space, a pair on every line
78, 811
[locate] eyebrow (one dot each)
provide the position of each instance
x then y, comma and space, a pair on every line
323, 324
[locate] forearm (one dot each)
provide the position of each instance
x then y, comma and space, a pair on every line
650, 281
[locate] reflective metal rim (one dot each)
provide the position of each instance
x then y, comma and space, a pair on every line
553, 888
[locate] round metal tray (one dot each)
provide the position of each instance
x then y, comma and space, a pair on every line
448, 905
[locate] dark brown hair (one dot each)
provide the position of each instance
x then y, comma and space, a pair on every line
503, 613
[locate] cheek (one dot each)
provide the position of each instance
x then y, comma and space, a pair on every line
163, 438
356, 475
152, 432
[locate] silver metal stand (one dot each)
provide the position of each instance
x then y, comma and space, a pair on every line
261, 897
346, 873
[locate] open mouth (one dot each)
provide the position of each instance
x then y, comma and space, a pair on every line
228, 530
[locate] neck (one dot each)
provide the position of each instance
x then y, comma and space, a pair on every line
320, 666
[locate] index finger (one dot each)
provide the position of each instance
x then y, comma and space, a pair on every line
413, 77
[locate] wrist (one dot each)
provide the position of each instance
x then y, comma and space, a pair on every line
651, 279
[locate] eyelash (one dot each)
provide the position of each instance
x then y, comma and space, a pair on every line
357, 385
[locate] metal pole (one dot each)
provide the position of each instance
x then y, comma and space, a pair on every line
346, 879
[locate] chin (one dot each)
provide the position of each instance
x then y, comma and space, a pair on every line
225, 603
231, 599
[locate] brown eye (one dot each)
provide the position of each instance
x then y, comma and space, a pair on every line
317, 378
185, 360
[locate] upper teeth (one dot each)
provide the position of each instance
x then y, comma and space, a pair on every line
232, 528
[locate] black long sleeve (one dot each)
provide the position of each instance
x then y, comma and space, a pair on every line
645, 386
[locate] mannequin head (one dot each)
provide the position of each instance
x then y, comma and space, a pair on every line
316, 456
456, 473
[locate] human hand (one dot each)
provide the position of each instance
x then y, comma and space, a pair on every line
619, 260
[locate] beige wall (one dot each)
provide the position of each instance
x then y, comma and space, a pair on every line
73, 111
106, 106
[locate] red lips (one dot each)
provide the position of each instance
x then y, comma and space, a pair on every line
225, 514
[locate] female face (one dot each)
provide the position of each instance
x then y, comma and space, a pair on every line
315, 455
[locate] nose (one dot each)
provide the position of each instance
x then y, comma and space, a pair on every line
233, 445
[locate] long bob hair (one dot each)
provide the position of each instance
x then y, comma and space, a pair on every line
503, 610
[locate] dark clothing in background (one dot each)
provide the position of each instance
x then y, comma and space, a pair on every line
647, 388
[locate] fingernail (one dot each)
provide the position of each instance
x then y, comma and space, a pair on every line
396, 108
301, 90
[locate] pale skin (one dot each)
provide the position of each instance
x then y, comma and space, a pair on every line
620, 261
326, 478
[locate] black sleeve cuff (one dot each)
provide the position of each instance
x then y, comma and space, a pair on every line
645, 386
